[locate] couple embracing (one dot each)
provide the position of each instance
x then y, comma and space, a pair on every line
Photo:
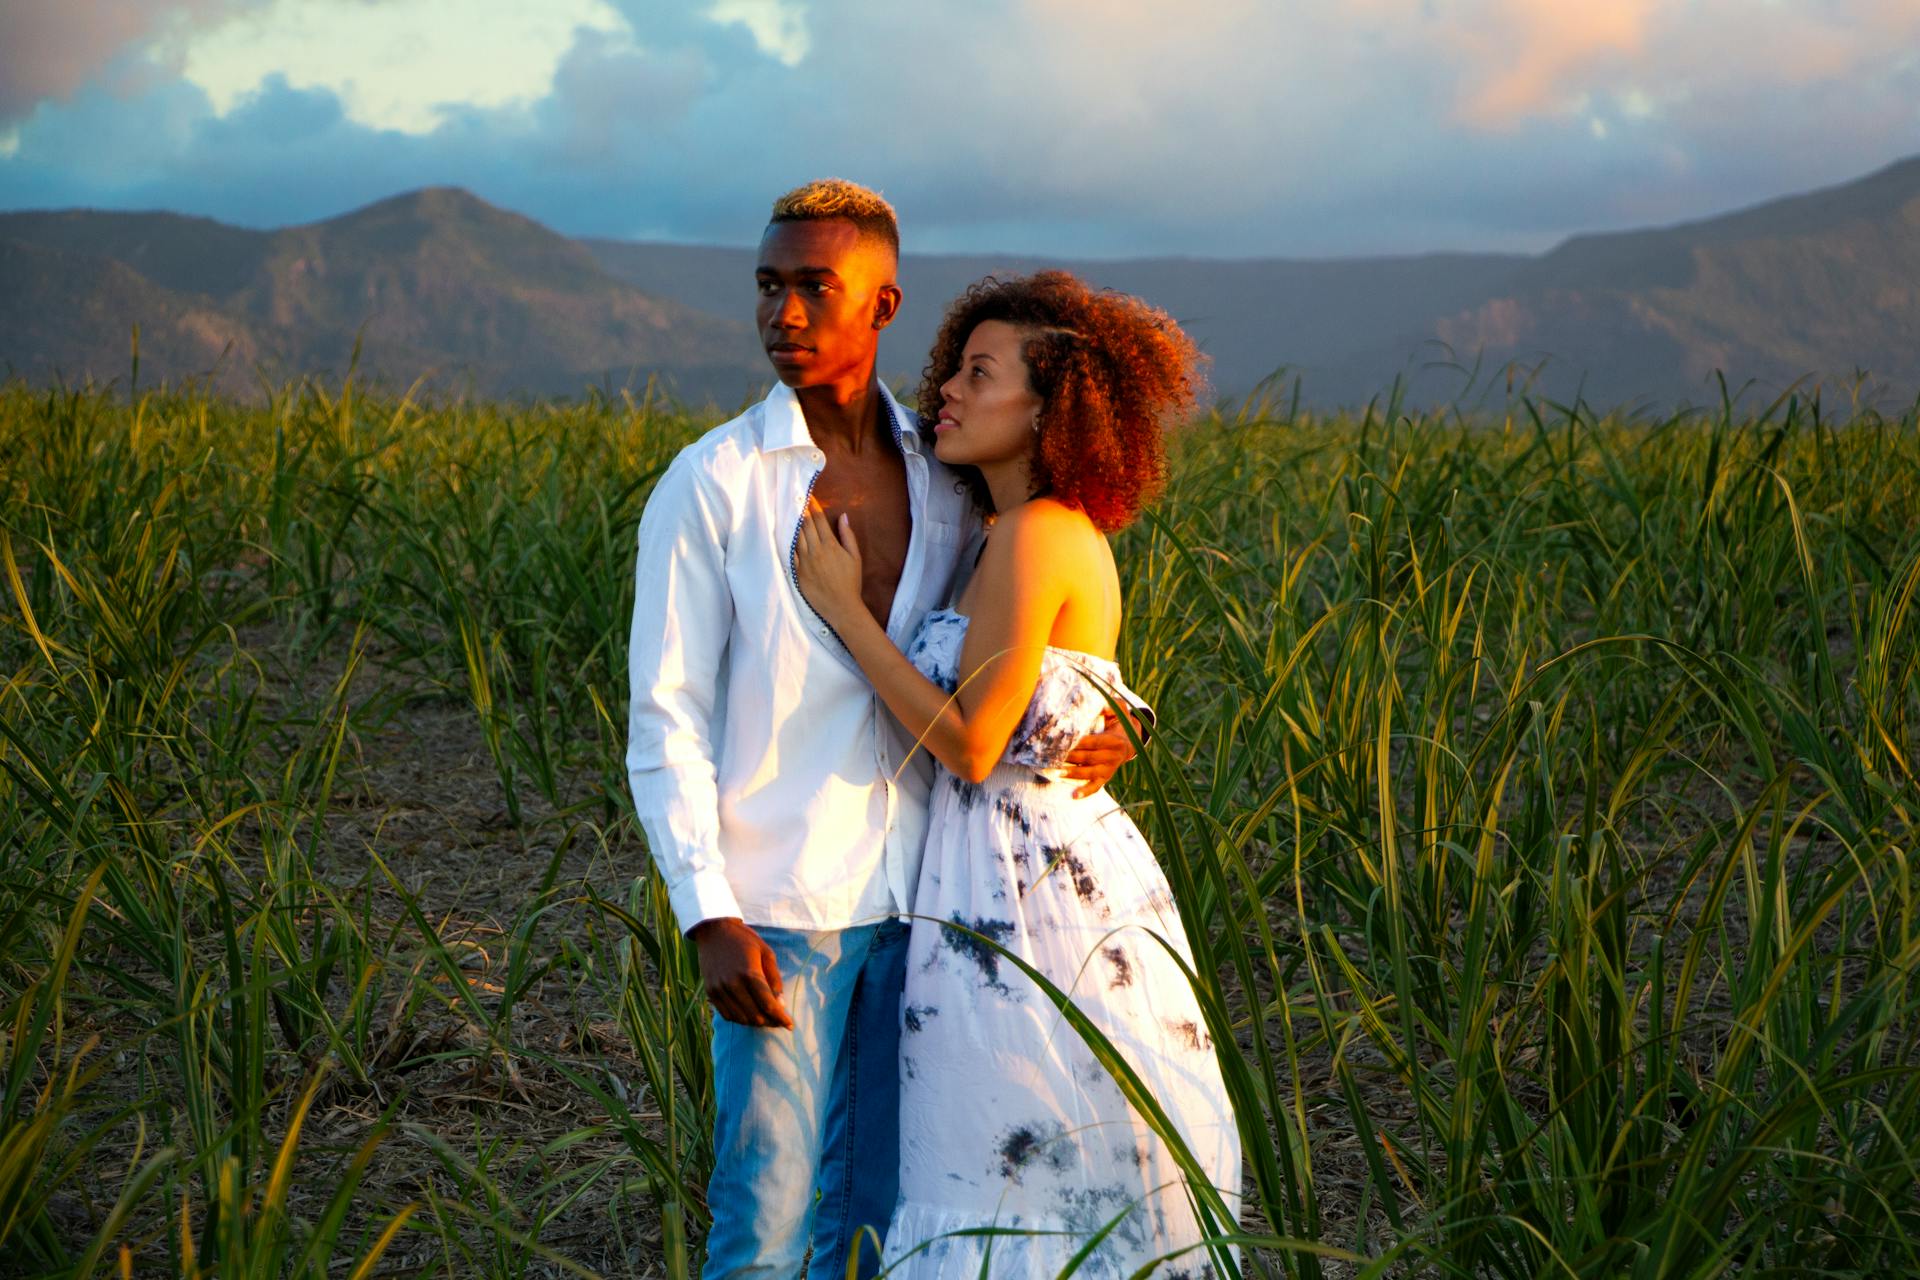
872, 672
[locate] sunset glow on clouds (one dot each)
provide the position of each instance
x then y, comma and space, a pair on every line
1065, 126
1525, 59
1529, 53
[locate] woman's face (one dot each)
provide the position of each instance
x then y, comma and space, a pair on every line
989, 411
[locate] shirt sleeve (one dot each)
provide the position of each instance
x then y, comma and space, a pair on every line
682, 617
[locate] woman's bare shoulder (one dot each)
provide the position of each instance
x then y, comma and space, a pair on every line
1048, 538
1045, 517
1044, 523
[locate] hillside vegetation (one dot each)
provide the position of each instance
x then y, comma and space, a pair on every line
434, 284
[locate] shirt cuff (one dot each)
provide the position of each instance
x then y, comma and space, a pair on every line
704, 895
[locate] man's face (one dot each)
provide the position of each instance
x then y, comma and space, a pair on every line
825, 294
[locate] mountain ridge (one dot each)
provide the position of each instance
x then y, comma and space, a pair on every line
438, 280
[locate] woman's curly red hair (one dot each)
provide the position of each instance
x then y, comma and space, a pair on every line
1112, 370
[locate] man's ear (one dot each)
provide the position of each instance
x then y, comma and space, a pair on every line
886, 305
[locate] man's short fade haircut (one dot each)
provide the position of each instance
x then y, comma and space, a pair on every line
827, 198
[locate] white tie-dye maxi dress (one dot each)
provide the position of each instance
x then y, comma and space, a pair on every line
1007, 1121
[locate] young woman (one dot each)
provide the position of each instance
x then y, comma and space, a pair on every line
1050, 396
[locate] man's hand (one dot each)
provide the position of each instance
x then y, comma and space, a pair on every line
743, 979
1098, 756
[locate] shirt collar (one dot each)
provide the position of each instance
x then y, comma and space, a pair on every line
783, 426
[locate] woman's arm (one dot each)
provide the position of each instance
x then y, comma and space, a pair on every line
1000, 661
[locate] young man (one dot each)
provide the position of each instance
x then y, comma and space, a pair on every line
784, 806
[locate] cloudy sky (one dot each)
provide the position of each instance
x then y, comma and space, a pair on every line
1072, 127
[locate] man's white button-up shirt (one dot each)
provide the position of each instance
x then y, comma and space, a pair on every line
772, 782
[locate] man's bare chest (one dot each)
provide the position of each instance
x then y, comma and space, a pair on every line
873, 496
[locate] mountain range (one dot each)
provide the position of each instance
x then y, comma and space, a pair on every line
442, 285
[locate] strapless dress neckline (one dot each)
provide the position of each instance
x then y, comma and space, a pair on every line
1081, 654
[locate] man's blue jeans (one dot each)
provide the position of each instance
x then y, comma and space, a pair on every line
807, 1132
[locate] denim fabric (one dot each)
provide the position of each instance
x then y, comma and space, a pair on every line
806, 1134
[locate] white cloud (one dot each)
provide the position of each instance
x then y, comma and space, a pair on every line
397, 64
778, 27
1636, 104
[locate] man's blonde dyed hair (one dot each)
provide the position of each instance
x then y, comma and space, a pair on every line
827, 198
